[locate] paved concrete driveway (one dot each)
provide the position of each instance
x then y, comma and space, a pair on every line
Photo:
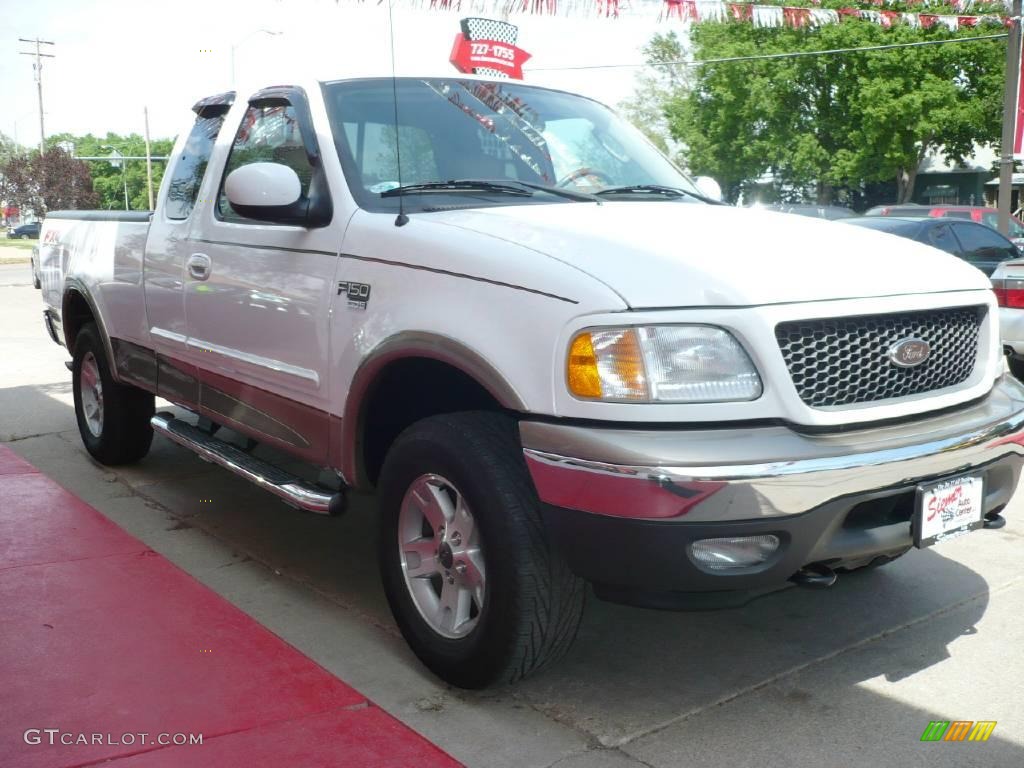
846, 677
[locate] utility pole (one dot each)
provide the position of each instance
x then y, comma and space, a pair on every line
149, 160
1009, 119
38, 67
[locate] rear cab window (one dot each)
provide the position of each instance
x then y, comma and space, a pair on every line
187, 176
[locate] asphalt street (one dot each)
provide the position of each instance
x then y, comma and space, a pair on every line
15, 274
849, 676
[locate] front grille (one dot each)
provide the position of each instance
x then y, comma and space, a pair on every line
845, 360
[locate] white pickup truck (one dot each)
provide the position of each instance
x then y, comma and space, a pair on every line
553, 358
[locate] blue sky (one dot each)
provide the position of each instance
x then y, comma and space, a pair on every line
116, 56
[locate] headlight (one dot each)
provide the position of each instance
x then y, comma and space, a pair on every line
665, 364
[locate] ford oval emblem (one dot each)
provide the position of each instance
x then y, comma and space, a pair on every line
908, 353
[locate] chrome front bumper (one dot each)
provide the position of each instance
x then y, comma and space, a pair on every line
756, 473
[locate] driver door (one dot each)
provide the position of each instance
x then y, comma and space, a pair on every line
258, 297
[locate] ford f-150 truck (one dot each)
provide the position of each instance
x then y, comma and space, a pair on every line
556, 361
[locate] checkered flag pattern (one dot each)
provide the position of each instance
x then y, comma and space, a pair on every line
490, 29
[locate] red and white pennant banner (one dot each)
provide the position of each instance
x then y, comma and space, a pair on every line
693, 11
966, 13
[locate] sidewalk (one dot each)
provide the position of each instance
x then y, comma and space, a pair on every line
115, 647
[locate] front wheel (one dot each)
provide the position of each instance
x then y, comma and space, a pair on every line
113, 419
475, 585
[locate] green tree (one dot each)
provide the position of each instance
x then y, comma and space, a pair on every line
110, 181
662, 81
41, 183
824, 122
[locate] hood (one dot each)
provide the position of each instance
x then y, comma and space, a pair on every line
673, 254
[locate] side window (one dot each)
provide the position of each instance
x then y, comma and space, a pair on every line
268, 134
942, 237
991, 220
190, 168
981, 243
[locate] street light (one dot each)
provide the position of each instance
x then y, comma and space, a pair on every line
234, 46
117, 161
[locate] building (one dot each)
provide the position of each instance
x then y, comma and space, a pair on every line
941, 181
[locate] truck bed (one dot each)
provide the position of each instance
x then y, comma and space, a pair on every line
104, 250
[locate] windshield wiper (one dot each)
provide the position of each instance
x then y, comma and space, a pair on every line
505, 186
569, 194
458, 185
656, 189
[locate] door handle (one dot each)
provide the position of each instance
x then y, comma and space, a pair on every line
199, 266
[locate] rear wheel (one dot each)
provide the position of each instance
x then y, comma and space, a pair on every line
475, 586
113, 419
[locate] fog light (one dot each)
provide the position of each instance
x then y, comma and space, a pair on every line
733, 552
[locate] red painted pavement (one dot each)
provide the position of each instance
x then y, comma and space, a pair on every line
101, 635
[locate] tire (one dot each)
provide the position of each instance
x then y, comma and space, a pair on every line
25, 237
531, 602
1016, 367
118, 431
35, 280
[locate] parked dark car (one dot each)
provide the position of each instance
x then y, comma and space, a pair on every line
980, 214
815, 211
25, 231
975, 243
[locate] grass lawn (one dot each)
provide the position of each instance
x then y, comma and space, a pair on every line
15, 251
24, 245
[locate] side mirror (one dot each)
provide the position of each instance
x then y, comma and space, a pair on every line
709, 188
272, 192
263, 190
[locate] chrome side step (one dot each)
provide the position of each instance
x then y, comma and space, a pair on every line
282, 484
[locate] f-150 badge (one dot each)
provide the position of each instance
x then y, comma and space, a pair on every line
358, 294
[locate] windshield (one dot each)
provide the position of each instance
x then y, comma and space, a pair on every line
451, 129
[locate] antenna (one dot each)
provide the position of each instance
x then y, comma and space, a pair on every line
402, 219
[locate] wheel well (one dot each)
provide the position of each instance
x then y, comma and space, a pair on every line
76, 314
406, 391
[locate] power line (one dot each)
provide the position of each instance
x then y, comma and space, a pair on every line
764, 56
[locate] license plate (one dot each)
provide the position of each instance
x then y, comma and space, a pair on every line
948, 509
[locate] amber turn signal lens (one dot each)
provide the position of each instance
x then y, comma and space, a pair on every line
607, 363
584, 379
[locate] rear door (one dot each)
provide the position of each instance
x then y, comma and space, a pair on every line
258, 296
167, 248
